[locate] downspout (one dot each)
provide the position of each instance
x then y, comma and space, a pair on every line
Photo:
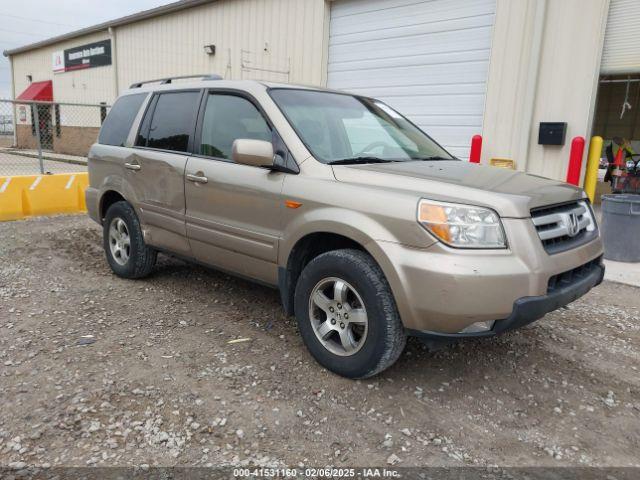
532, 83
114, 63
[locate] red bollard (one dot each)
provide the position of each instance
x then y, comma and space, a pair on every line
575, 161
476, 149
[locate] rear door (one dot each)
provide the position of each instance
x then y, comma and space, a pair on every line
156, 168
233, 212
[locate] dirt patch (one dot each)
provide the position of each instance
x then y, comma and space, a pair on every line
96, 370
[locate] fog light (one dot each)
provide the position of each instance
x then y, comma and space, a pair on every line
479, 327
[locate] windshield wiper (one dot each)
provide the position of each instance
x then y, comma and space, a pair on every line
432, 158
359, 160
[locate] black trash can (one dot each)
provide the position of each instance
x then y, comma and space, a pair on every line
621, 227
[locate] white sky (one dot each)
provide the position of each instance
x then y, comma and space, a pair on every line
26, 21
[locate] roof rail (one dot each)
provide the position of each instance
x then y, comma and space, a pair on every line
167, 80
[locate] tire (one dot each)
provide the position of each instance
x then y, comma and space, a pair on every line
371, 348
136, 259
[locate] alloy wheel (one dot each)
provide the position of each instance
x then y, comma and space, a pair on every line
119, 241
338, 316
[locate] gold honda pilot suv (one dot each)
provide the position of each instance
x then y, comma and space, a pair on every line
369, 229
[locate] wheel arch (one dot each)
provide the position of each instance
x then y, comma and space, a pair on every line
310, 244
108, 198
111, 189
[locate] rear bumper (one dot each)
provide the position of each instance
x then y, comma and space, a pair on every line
529, 309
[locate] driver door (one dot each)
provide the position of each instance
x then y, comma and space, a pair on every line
233, 211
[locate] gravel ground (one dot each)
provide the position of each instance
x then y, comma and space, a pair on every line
96, 370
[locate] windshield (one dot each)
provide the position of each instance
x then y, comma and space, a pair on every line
339, 128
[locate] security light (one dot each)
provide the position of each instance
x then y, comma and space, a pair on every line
210, 49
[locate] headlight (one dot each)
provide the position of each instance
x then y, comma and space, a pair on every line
462, 226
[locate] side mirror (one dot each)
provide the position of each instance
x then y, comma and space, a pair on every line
256, 153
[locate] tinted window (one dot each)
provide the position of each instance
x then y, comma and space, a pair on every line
143, 131
117, 125
172, 123
227, 118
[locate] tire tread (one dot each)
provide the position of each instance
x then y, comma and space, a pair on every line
394, 337
144, 258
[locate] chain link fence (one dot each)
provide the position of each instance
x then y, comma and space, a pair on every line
47, 137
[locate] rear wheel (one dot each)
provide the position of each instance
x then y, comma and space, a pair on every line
347, 315
127, 254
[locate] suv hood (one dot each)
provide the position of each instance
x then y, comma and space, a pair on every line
509, 192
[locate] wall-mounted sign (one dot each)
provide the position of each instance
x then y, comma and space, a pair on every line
97, 54
57, 61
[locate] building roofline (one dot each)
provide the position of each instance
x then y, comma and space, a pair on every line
136, 17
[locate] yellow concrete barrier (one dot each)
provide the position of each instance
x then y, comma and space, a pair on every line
593, 163
24, 196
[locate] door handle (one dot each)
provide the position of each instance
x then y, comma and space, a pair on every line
132, 166
197, 178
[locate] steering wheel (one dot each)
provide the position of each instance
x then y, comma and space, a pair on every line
372, 145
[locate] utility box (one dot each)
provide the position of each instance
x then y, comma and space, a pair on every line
552, 133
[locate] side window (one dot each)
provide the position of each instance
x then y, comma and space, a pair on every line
172, 123
227, 118
117, 125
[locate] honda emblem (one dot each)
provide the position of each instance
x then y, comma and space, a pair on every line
572, 224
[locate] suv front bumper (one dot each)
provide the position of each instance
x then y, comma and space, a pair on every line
529, 309
443, 290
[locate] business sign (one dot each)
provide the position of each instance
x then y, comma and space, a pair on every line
97, 54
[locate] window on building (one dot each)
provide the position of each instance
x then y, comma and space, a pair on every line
227, 118
117, 125
172, 122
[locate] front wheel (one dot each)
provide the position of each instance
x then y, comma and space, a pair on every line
347, 315
127, 253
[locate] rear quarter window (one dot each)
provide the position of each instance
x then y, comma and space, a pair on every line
117, 125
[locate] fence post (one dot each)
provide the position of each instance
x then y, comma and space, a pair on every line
36, 120
15, 123
103, 112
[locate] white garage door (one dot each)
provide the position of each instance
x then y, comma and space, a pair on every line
429, 59
621, 53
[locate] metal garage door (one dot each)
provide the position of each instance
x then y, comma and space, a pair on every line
621, 53
429, 59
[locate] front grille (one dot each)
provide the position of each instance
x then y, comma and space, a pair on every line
565, 279
566, 226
